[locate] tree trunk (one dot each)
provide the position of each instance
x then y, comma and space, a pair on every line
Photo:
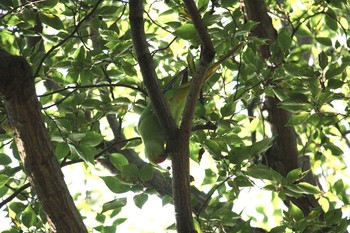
34, 146
283, 155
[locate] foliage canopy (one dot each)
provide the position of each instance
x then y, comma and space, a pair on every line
91, 91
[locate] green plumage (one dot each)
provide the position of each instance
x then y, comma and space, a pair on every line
152, 134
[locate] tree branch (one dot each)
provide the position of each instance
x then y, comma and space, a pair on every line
207, 56
149, 75
283, 155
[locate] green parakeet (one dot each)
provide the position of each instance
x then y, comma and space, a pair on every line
152, 134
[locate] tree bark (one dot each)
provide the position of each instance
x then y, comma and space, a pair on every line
34, 146
283, 155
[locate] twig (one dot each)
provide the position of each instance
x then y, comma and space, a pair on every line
14, 194
95, 86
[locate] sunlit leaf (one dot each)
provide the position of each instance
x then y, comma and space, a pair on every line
3, 179
118, 160
115, 185
51, 20
115, 204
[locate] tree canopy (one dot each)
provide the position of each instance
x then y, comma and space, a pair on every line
267, 113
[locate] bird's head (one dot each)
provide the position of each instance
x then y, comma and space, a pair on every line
155, 152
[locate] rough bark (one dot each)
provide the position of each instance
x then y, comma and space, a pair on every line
34, 146
283, 156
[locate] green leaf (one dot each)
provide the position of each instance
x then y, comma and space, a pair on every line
118, 160
294, 211
167, 200
129, 69
29, 16
339, 186
92, 139
242, 181
334, 70
308, 188
61, 150
295, 107
227, 3
263, 172
87, 153
280, 94
76, 137
336, 151
108, 10
213, 148
5, 159
140, 199
3, 191
3, 179
294, 175
129, 173
11, 19
203, 4
324, 41
115, 204
115, 185
28, 216
298, 118
146, 173
47, 4
261, 146
186, 32
333, 216
85, 77
299, 68
330, 19
17, 207
249, 25
284, 39
323, 60
335, 83
51, 20
303, 30
228, 109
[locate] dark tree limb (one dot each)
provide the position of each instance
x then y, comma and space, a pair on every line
177, 141
180, 159
147, 67
283, 155
34, 146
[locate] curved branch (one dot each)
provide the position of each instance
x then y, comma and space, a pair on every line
207, 56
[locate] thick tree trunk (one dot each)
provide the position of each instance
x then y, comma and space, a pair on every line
283, 155
34, 146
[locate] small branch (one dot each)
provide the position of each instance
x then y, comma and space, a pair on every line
210, 194
95, 86
207, 55
14, 194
